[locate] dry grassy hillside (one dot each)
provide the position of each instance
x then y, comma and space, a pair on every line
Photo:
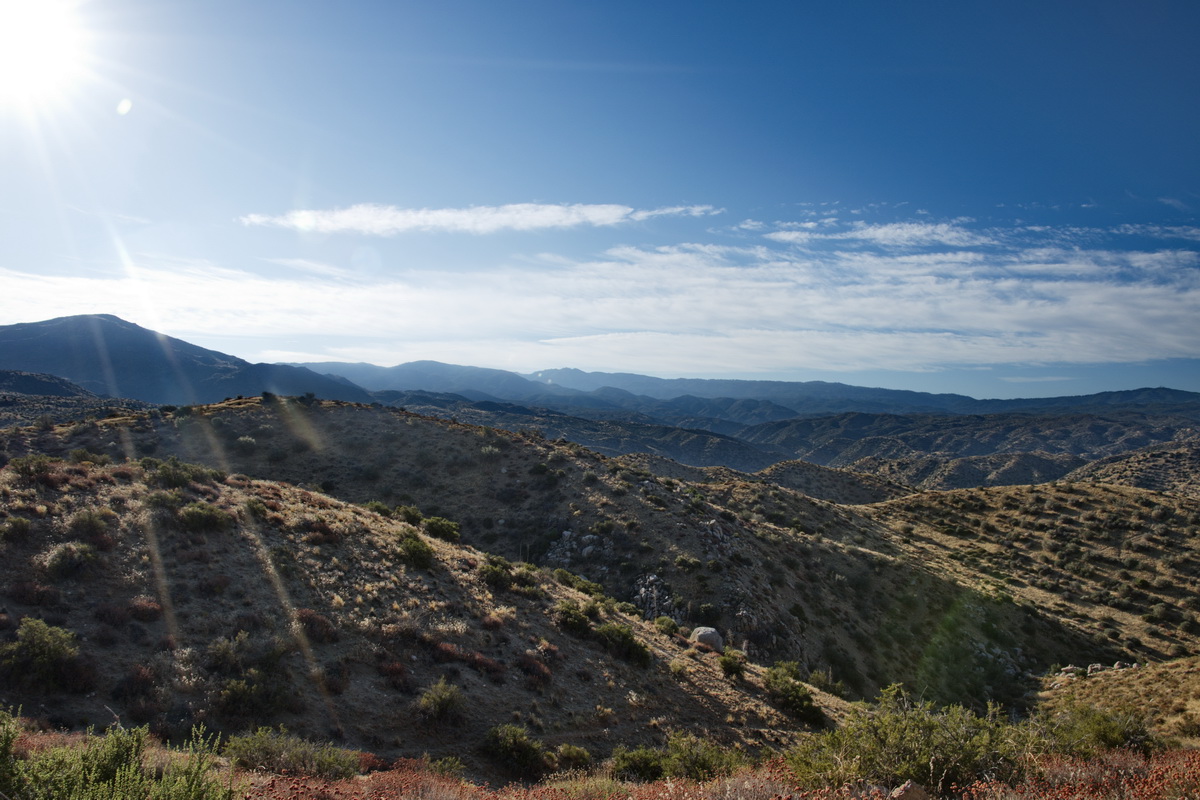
1115, 563
1168, 694
812, 480
847, 590
1173, 467
941, 472
191, 596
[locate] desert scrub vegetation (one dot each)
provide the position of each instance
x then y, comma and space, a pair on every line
901, 739
443, 701
684, 756
785, 689
516, 750
275, 750
45, 658
111, 766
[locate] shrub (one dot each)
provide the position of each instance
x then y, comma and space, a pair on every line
571, 618
732, 664
33, 593
1085, 731
317, 627
16, 529
379, 508
666, 626
824, 681
200, 517
786, 691
442, 528
144, 608
410, 514
45, 658
620, 642
569, 756
442, 701
639, 764
513, 747
498, 577
91, 524
689, 756
175, 474
416, 551
32, 469
902, 739
110, 767
67, 559
279, 752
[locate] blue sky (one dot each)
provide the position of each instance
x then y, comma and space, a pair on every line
994, 199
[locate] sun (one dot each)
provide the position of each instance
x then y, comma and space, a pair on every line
43, 48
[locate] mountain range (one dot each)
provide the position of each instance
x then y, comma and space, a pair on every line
923, 439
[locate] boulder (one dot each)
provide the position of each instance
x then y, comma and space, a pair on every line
708, 636
909, 791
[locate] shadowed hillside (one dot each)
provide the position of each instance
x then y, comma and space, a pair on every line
963, 594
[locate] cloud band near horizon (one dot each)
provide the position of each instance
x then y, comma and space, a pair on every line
382, 220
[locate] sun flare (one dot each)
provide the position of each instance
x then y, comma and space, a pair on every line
42, 51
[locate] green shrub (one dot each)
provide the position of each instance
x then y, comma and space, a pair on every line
16, 529
569, 756
201, 517
110, 768
620, 642
67, 559
902, 739
824, 681
32, 469
10, 730
568, 578
167, 501
44, 658
379, 508
416, 551
513, 747
689, 756
496, 576
571, 618
410, 514
1086, 731
785, 690
277, 751
732, 664
666, 626
639, 764
442, 701
89, 523
175, 474
442, 528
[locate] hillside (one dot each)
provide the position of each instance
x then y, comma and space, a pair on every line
195, 596
1172, 467
966, 594
109, 356
926, 440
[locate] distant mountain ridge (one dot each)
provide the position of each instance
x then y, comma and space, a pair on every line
108, 356
929, 440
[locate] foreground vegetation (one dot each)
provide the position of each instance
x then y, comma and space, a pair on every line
951, 752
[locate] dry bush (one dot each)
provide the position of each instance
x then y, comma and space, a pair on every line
317, 627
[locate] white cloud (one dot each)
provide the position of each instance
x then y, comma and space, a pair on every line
380, 220
896, 235
703, 307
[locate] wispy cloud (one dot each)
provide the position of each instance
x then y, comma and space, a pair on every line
889, 235
381, 220
908, 295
